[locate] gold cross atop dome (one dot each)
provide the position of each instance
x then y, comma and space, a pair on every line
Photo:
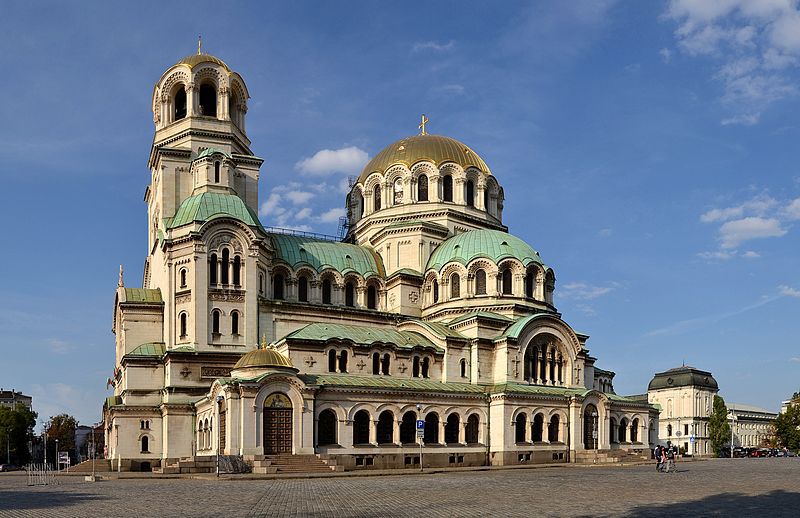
425, 120
264, 344
199, 44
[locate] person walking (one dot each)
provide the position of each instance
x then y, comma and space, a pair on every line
670, 454
657, 454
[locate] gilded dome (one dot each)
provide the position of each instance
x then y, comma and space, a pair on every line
194, 60
435, 148
263, 357
491, 244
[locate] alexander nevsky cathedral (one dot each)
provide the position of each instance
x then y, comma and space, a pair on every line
428, 334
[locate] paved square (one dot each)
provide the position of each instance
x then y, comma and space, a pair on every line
739, 487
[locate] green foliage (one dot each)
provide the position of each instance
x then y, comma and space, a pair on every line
61, 427
787, 427
16, 426
719, 430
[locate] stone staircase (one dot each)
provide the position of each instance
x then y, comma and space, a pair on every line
610, 456
100, 466
204, 464
288, 463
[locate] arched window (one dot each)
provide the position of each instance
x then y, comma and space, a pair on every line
326, 427
277, 286
408, 428
538, 428
216, 172
415, 367
463, 364
208, 100
372, 297
471, 433
397, 189
326, 291
361, 427
261, 283
183, 325
623, 428
486, 199
376, 198
237, 267
376, 363
521, 424
343, 361
225, 259
215, 321
431, 435
422, 188
332, 361
212, 270
507, 288
385, 428
180, 103
552, 429
234, 322
669, 430
385, 364
455, 286
470, 197
349, 294
480, 282
451, 429
358, 213
425, 367
447, 188
145, 444
530, 283
435, 288
302, 288
183, 277
635, 430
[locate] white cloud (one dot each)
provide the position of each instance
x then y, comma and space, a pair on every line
271, 206
331, 216
788, 291
583, 291
666, 55
303, 213
433, 46
750, 254
719, 255
792, 210
757, 206
734, 232
58, 346
299, 197
794, 359
745, 119
347, 160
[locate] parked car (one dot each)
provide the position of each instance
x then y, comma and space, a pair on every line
8, 467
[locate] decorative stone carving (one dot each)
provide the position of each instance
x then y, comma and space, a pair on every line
413, 297
183, 299
225, 296
225, 239
214, 372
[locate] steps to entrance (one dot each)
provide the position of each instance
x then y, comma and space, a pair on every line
204, 464
287, 463
100, 466
609, 456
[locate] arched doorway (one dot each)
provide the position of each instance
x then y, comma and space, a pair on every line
277, 424
590, 419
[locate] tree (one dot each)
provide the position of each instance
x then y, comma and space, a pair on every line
16, 427
61, 428
719, 431
787, 427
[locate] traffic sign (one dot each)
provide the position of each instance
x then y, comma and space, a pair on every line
691, 438
420, 428
678, 434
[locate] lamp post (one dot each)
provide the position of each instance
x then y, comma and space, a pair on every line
733, 421
220, 399
594, 434
45, 450
8, 447
58, 465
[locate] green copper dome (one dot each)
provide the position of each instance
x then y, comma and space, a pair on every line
208, 205
490, 244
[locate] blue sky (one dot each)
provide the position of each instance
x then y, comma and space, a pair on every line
648, 151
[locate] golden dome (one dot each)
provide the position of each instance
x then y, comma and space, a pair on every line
435, 148
267, 357
198, 59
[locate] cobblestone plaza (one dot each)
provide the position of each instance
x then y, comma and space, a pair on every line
740, 487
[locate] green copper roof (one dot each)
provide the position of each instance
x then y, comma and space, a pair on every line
208, 205
541, 390
149, 349
389, 382
361, 335
142, 296
491, 244
318, 254
481, 314
440, 329
516, 328
684, 376
210, 151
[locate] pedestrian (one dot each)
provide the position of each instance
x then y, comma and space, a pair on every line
670, 458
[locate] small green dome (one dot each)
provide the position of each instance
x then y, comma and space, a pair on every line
266, 357
491, 244
208, 205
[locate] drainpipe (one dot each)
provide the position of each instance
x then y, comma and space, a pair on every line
314, 424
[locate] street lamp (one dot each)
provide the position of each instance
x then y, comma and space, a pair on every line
421, 439
220, 399
8, 447
58, 465
594, 434
733, 421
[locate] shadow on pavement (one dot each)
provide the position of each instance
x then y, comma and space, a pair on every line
43, 499
776, 503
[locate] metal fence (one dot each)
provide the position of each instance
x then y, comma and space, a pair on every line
40, 475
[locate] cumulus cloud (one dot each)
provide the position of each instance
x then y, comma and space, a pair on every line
731, 233
347, 160
666, 55
757, 206
271, 206
751, 42
583, 291
331, 216
303, 213
433, 46
788, 291
299, 197
750, 254
792, 210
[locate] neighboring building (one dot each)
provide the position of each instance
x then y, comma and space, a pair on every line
11, 398
785, 404
751, 425
429, 310
83, 441
685, 397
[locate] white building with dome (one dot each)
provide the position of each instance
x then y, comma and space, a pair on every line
295, 353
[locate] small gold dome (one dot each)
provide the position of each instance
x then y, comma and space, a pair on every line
435, 148
267, 357
198, 59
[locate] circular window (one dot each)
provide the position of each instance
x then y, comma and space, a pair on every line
670, 381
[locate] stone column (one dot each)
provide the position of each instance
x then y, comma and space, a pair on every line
192, 107
373, 432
